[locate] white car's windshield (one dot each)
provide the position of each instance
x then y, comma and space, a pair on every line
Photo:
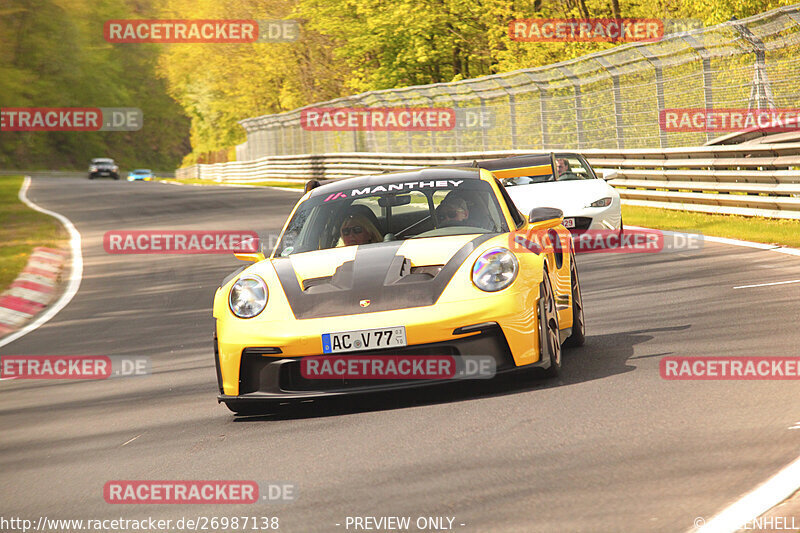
567, 168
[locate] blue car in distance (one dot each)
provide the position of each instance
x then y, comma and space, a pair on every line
140, 174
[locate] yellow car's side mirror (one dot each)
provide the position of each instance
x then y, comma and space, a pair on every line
249, 244
545, 217
250, 256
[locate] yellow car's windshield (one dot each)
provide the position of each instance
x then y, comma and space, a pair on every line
390, 212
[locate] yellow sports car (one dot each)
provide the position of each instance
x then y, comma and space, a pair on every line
430, 258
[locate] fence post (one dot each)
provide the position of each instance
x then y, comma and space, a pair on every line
512, 111
484, 140
431, 133
704, 54
658, 72
452, 96
576, 86
761, 92
542, 108
612, 71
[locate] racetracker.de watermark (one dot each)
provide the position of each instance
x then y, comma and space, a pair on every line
707, 119
71, 119
395, 118
681, 25
73, 366
180, 242
198, 492
398, 367
729, 368
629, 241
201, 31
586, 30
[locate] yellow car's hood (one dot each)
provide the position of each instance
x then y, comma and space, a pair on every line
376, 277
421, 252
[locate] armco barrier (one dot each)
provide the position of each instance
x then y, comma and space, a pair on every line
744, 179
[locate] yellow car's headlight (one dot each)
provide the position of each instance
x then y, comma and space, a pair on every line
248, 296
495, 270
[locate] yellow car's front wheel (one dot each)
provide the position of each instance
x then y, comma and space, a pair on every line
578, 336
549, 335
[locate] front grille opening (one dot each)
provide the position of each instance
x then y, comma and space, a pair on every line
431, 270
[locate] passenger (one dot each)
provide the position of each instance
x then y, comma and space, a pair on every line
453, 211
356, 229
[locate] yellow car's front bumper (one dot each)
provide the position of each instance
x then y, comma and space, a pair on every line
252, 355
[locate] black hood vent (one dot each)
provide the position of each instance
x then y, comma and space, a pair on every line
376, 274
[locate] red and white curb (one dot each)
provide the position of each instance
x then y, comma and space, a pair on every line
24, 306
33, 290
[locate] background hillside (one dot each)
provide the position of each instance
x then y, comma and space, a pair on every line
52, 54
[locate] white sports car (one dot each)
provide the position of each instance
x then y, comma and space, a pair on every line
562, 180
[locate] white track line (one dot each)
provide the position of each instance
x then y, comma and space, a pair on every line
746, 244
781, 485
733, 242
76, 271
768, 284
759, 501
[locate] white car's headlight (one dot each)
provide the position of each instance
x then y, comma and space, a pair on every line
92, 168
602, 202
495, 270
248, 296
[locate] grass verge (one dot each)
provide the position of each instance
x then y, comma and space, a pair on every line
21, 230
781, 232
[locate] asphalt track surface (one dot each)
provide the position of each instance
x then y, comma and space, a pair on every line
610, 446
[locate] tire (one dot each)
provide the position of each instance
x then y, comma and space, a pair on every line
578, 336
549, 340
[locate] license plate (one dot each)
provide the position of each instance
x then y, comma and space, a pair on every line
569, 222
364, 339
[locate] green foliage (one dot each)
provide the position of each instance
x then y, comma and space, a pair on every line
53, 54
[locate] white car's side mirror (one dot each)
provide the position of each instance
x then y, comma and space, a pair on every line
610, 175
